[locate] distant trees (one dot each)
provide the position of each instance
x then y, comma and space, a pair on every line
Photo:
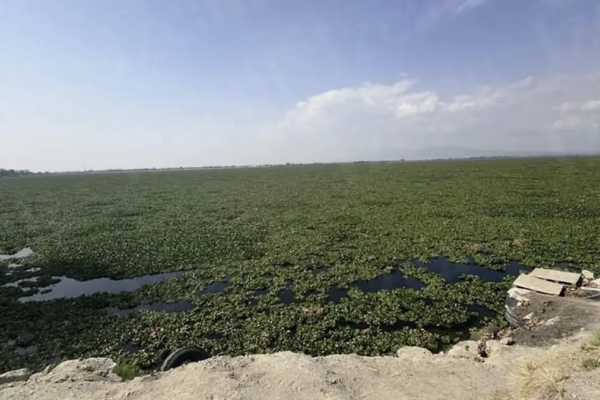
9, 173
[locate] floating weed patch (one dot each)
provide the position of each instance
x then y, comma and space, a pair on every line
22, 283
269, 228
394, 280
481, 311
169, 307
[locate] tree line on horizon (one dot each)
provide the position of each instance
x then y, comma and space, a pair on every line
13, 173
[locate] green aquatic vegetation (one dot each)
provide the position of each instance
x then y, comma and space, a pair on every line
275, 229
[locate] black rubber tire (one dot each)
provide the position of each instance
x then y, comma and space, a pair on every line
183, 356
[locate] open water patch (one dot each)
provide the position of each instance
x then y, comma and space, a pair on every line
452, 272
24, 253
167, 307
25, 351
68, 288
22, 351
481, 311
131, 348
394, 280
216, 287
287, 296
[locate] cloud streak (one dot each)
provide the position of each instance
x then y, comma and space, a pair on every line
466, 5
439, 10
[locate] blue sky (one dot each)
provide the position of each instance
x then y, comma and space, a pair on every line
150, 83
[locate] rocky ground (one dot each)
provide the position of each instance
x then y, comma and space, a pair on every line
556, 359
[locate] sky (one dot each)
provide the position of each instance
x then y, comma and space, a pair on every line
100, 84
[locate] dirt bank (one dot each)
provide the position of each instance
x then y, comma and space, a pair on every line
505, 372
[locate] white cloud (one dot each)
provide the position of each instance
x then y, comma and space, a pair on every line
571, 122
379, 121
591, 105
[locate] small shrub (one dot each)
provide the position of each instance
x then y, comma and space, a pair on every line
127, 371
590, 363
595, 342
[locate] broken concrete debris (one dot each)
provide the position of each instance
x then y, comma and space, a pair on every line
587, 275
553, 282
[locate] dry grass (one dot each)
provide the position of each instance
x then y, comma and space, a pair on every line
518, 242
313, 311
502, 395
544, 377
591, 360
540, 377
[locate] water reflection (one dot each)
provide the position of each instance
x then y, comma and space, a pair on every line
287, 296
25, 351
395, 280
452, 272
26, 252
70, 288
217, 287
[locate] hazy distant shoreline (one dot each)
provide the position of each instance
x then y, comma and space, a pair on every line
4, 173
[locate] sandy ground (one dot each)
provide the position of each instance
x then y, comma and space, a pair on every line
506, 373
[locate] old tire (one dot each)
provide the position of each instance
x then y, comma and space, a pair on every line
183, 356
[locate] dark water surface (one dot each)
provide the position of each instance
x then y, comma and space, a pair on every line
394, 280
216, 287
453, 271
70, 288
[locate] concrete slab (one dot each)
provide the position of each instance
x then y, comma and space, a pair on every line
538, 285
566, 278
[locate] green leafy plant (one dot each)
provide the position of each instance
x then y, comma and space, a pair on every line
311, 229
